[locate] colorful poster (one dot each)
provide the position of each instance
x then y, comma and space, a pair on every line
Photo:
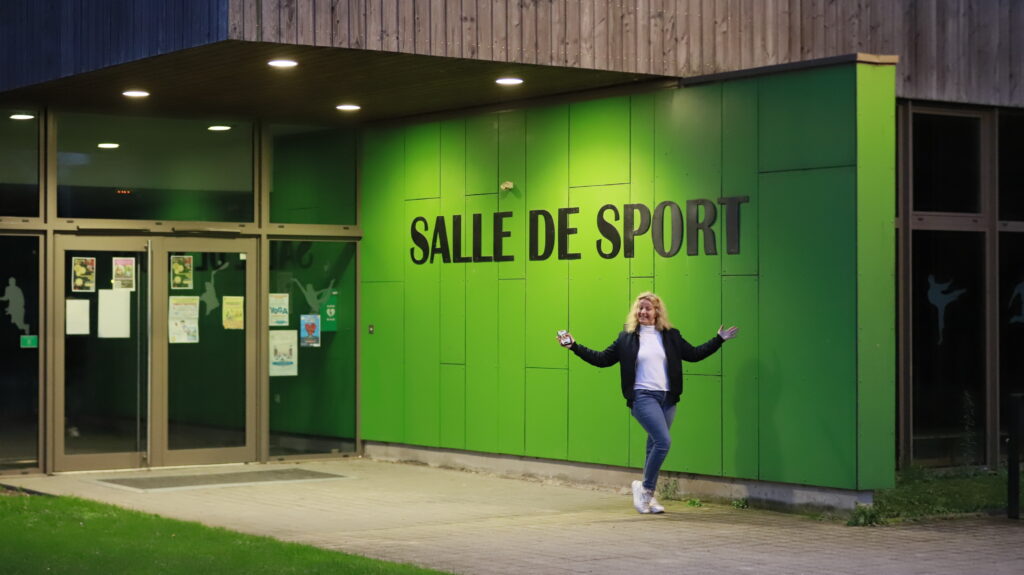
83, 274
183, 319
330, 318
310, 326
278, 309
181, 272
76, 317
233, 312
114, 314
284, 355
124, 274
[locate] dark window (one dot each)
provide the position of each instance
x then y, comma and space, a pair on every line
948, 355
1011, 167
313, 176
947, 163
1011, 318
19, 377
19, 163
160, 169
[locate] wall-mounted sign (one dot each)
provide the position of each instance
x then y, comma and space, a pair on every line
619, 230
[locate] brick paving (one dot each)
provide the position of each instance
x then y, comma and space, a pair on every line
465, 522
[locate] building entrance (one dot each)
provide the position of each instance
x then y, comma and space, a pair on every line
152, 362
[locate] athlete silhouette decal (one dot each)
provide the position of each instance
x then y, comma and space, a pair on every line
940, 298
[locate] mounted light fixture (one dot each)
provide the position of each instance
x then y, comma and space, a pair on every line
135, 93
509, 81
219, 128
348, 107
108, 145
282, 63
22, 116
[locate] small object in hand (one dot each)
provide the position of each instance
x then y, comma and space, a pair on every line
563, 337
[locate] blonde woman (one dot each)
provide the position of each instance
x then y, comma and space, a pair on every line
650, 353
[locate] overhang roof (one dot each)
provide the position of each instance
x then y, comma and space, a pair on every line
231, 80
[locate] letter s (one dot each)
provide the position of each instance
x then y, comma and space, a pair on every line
420, 240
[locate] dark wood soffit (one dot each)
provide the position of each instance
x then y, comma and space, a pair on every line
231, 80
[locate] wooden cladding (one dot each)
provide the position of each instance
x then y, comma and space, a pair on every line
950, 50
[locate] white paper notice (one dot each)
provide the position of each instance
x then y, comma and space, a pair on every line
115, 313
76, 317
278, 309
183, 319
284, 352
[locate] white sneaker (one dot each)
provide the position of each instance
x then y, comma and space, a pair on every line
641, 498
655, 506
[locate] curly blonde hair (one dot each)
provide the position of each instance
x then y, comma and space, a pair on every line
661, 318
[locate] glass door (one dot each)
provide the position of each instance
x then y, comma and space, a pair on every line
204, 351
101, 321
154, 362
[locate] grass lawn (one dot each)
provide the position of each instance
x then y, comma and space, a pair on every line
921, 493
40, 534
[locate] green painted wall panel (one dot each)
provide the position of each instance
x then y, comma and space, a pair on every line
453, 276
422, 161
453, 406
807, 402
547, 409
876, 282
384, 247
599, 142
482, 341
598, 418
739, 378
547, 284
740, 172
807, 119
641, 188
382, 397
482, 154
422, 344
697, 429
511, 365
512, 168
637, 435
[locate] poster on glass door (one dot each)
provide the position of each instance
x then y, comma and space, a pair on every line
183, 319
124, 274
83, 274
181, 272
284, 353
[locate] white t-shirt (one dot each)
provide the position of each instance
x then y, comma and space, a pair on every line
650, 361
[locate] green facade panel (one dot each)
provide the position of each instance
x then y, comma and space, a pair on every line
453, 277
806, 119
740, 172
598, 418
512, 169
546, 412
482, 155
641, 182
383, 186
453, 406
382, 404
808, 402
876, 281
697, 429
599, 142
422, 161
422, 345
511, 365
739, 378
482, 340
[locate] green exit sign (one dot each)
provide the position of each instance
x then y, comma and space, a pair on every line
29, 341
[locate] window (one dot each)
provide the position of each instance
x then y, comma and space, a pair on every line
947, 163
19, 163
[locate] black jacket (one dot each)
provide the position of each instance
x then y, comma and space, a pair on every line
626, 347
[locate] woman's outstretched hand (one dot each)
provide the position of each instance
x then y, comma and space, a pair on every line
565, 341
727, 333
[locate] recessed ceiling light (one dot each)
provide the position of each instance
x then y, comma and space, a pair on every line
509, 81
219, 128
135, 93
22, 116
348, 107
283, 63
108, 145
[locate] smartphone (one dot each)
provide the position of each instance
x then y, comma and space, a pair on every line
563, 337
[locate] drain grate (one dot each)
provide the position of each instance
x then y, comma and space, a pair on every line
220, 479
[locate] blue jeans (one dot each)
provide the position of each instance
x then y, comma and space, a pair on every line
652, 410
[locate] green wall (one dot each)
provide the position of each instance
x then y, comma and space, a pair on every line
463, 355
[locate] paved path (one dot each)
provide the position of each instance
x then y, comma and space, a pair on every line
475, 523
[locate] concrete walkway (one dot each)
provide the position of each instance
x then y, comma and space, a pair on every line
475, 523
